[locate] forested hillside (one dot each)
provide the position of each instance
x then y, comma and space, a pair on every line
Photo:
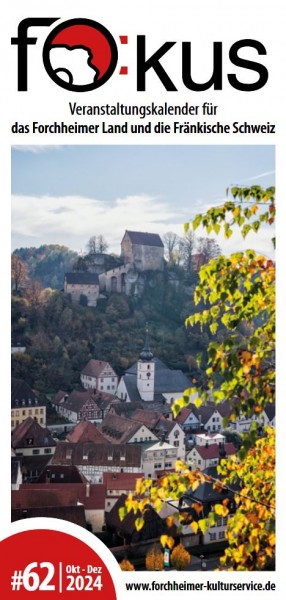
61, 337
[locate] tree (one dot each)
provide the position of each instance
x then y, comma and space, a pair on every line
180, 558
19, 272
236, 290
187, 245
172, 244
154, 559
97, 244
207, 248
126, 565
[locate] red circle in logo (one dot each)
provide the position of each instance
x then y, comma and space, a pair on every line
80, 55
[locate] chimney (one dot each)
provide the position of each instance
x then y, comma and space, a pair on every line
87, 490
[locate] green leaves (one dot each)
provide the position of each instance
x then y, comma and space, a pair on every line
235, 214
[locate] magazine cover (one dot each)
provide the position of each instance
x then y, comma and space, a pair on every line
141, 148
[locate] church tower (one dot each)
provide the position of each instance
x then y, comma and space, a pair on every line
146, 372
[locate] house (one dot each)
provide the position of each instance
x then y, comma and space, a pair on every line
99, 375
117, 484
25, 403
206, 439
58, 504
78, 405
212, 416
35, 445
206, 495
125, 534
93, 460
90, 496
150, 379
82, 286
208, 455
29, 438
157, 458
144, 250
85, 431
163, 428
189, 419
60, 474
120, 430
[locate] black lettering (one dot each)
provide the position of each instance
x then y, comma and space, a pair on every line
216, 78
247, 64
22, 41
153, 62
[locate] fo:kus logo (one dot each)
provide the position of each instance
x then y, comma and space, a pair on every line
80, 55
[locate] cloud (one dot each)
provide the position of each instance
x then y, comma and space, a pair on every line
72, 220
265, 174
36, 149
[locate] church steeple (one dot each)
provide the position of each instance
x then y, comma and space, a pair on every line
146, 353
146, 372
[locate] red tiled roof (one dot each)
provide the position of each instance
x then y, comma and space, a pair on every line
185, 412
94, 367
146, 417
119, 481
91, 495
30, 434
85, 431
213, 450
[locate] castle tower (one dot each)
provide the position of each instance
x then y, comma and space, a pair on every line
146, 372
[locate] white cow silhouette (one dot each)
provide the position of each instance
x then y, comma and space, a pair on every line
71, 65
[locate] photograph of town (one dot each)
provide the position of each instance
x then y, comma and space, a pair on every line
143, 368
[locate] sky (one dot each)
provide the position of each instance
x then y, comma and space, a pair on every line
66, 194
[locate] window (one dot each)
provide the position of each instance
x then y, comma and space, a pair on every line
36, 451
224, 521
219, 522
157, 466
12, 413
176, 443
221, 535
12, 423
47, 450
212, 537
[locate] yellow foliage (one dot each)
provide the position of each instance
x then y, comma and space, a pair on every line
126, 565
154, 559
180, 558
